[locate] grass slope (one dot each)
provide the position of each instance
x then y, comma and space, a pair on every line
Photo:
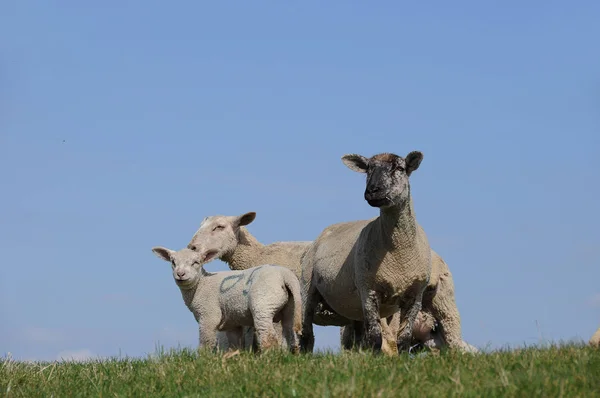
569, 371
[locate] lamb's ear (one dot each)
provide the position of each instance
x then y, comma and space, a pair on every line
162, 252
412, 161
245, 219
356, 162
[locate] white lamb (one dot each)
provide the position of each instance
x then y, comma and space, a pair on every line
227, 301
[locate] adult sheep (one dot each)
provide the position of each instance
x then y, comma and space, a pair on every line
369, 270
595, 340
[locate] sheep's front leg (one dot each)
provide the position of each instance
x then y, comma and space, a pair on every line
234, 338
370, 306
351, 336
408, 313
389, 332
249, 339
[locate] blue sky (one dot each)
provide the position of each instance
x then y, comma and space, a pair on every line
123, 124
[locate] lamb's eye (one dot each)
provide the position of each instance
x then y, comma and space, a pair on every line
218, 228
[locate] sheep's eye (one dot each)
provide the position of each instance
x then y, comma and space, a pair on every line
218, 227
399, 168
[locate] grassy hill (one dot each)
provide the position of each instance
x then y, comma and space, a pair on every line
569, 371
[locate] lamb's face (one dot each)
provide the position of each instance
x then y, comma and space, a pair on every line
218, 235
423, 327
387, 176
185, 264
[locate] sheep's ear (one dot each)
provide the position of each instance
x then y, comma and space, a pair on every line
163, 252
356, 162
245, 219
412, 161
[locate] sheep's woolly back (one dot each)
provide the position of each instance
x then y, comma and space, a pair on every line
595, 340
249, 252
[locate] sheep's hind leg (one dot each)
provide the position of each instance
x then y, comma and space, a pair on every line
445, 312
234, 337
312, 297
373, 332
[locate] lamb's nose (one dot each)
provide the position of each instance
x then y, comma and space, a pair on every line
180, 274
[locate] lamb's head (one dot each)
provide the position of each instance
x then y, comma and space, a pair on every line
218, 235
387, 176
186, 265
423, 327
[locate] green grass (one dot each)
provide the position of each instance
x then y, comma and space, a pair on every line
569, 371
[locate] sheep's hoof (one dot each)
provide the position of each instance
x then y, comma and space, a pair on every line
307, 342
389, 348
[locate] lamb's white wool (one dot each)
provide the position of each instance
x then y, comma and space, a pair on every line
228, 301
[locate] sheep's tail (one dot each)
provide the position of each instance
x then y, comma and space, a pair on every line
293, 286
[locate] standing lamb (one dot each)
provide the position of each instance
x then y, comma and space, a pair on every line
228, 301
595, 340
368, 270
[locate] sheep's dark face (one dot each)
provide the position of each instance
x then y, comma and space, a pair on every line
185, 263
387, 176
218, 235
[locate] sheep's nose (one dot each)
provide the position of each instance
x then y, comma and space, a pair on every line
372, 189
181, 274
191, 247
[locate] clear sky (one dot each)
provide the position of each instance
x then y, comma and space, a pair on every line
123, 124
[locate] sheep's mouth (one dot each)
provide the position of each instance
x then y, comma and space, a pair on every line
210, 255
379, 202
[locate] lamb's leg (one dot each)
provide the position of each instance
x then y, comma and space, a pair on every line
234, 337
445, 311
208, 336
311, 297
370, 305
408, 313
267, 336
